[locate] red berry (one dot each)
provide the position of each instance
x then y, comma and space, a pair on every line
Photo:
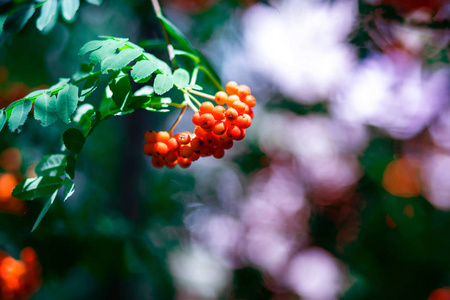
210, 139
195, 156
186, 151
218, 152
172, 164
183, 138
234, 132
148, 149
197, 143
219, 128
231, 99
206, 107
196, 118
184, 162
243, 121
162, 136
243, 91
150, 136
171, 156
218, 112
231, 114
239, 106
198, 131
207, 121
157, 162
227, 144
172, 144
250, 101
221, 98
160, 148
232, 88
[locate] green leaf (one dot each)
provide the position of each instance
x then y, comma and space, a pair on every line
67, 102
19, 18
44, 210
194, 87
61, 83
163, 83
2, 118
94, 2
48, 16
51, 165
181, 78
121, 89
19, 115
120, 60
45, 109
83, 116
155, 104
162, 66
90, 85
143, 70
107, 49
73, 140
32, 188
69, 9
69, 188
70, 167
91, 46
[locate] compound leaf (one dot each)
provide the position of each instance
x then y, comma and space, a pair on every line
143, 70
66, 103
120, 60
32, 188
45, 109
19, 115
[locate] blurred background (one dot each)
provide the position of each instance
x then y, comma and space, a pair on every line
340, 190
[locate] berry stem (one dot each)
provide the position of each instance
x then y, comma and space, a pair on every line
194, 75
189, 102
170, 49
178, 120
207, 96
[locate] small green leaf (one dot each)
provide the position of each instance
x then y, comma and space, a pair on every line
51, 165
69, 9
67, 102
44, 210
94, 2
163, 83
90, 46
120, 88
19, 115
73, 140
143, 70
2, 118
70, 167
107, 49
181, 78
19, 18
32, 188
162, 66
83, 116
120, 60
194, 87
90, 85
45, 109
49, 10
69, 188
157, 104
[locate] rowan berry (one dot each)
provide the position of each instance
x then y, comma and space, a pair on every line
183, 138
243, 121
206, 107
150, 136
171, 156
198, 131
218, 112
195, 156
220, 128
250, 101
227, 144
172, 144
232, 87
234, 132
206, 151
239, 106
186, 151
221, 97
196, 118
157, 162
172, 164
160, 148
231, 114
251, 114
197, 143
162, 136
210, 139
207, 121
148, 149
184, 162
218, 152
231, 99
243, 91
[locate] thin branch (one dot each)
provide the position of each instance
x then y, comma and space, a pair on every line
178, 120
207, 96
170, 49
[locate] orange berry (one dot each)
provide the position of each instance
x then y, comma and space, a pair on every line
171, 156
198, 131
186, 151
197, 143
232, 87
150, 136
160, 148
183, 138
218, 112
195, 156
219, 128
148, 149
218, 152
239, 106
231, 114
206, 107
227, 144
184, 162
231, 99
221, 98
7, 184
162, 136
243, 121
243, 91
172, 144
234, 132
207, 121
250, 101
206, 151
157, 162
196, 118
172, 164
251, 114
210, 139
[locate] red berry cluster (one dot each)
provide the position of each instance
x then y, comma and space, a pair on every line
216, 128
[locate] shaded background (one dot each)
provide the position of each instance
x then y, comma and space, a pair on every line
341, 188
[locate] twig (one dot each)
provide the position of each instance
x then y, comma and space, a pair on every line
178, 120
